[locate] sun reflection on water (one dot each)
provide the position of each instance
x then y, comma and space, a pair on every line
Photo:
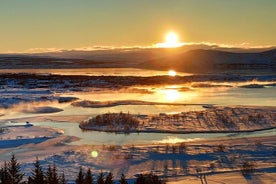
174, 93
171, 94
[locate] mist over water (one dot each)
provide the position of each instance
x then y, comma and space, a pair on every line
95, 72
190, 93
61, 107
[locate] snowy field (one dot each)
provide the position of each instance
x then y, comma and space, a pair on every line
54, 106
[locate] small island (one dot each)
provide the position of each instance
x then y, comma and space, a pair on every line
116, 122
214, 119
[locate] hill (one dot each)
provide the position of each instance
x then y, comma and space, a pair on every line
214, 60
179, 59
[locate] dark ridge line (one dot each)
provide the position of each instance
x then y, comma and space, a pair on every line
174, 132
117, 103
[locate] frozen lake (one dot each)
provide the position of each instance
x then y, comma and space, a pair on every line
194, 94
94, 72
25, 102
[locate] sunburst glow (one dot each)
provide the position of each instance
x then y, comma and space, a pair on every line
169, 95
179, 94
171, 73
171, 41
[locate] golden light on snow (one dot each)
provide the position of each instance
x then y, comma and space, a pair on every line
171, 41
94, 154
171, 73
174, 140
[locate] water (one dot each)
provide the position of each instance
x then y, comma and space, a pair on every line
99, 138
67, 120
194, 96
94, 72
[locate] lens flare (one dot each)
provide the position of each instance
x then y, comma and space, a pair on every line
94, 154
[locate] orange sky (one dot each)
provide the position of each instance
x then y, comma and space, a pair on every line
68, 24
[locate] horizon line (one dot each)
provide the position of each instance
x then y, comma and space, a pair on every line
210, 45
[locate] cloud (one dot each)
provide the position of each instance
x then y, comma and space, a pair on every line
42, 50
186, 45
244, 45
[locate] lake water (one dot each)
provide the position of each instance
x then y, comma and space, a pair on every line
194, 97
95, 72
99, 138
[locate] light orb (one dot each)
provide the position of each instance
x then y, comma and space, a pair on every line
94, 154
171, 39
172, 73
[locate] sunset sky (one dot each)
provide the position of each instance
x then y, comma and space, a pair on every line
67, 24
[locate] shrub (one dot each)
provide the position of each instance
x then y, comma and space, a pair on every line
122, 120
247, 167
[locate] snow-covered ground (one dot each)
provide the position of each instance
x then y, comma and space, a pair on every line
190, 160
18, 135
213, 119
170, 158
32, 100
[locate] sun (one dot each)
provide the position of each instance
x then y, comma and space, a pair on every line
171, 41
172, 73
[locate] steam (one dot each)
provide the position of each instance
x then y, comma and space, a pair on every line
32, 107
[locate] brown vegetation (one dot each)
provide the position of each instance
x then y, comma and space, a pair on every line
119, 121
216, 119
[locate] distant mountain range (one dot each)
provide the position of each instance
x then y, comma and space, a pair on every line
214, 60
179, 59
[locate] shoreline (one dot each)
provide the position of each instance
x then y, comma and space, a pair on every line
218, 119
139, 158
176, 132
104, 104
